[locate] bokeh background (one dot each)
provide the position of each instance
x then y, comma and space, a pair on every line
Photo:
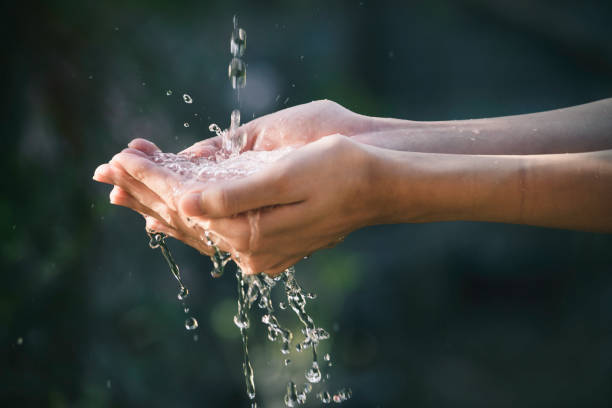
438, 315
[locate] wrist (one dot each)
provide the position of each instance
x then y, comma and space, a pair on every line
425, 187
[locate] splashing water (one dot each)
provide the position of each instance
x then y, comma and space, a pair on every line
158, 240
226, 165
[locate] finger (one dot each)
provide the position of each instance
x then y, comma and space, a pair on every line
235, 230
159, 180
144, 146
140, 192
102, 174
262, 189
282, 266
153, 224
204, 148
118, 196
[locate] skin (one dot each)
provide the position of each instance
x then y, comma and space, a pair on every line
551, 169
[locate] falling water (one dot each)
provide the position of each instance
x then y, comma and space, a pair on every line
229, 164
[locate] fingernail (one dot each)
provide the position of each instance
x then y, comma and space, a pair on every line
191, 204
99, 171
113, 195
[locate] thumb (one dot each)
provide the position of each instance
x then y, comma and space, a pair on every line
237, 196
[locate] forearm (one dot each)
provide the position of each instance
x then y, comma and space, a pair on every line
563, 191
577, 129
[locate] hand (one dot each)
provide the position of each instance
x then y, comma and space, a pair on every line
295, 126
310, 199
149, 189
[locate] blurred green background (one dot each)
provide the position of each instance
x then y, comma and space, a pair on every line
438, 315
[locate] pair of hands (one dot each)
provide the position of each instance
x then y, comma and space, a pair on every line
309, 199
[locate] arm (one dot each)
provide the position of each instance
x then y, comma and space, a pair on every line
580, 128
562, 190
329, 188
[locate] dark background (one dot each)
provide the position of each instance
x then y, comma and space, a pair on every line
438, 315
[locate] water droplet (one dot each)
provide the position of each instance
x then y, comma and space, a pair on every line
282, 306
191, 323
186, 124
254, 405
293, 85
301, 58
187, 98
238, 42
311, 295
19, 341
298, 348
291, 399
144, 84
183, 293
307, 387
108, 384
236, 71
326, 357
116, 28
196, 337
287, 362
90, 77
313, 374
186, 310
324, 397
169, 92
286, 101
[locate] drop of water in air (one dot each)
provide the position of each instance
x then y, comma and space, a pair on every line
169, 92
187, 98
186, 124
324, 397
291, 398
313, 374
183, 293
191, 323
236, 71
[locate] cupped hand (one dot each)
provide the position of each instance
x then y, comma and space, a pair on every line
294, 126
152, 190
308, 200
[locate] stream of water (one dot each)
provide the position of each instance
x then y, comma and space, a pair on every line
228, 164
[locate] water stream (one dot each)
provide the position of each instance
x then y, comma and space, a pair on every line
227, 164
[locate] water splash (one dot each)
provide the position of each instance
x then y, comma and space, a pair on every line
229, 164
158, 240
